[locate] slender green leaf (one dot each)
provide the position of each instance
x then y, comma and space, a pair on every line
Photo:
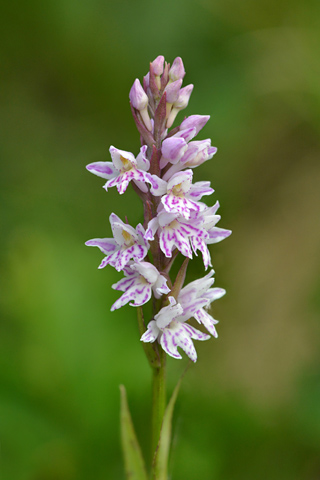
134, 463
160, 461
179, 279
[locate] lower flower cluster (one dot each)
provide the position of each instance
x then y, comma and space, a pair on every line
175, 218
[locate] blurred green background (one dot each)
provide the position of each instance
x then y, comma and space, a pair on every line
250, 408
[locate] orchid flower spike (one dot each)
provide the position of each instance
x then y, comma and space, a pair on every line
175, 218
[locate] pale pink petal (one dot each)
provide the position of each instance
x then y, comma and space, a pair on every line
125, 283
169, 344
172, 150
168, 313
160, 287
152, 332
217, 234
147, 270
184, 341
152, 228
181, 178
167, 241
187, 134
142, 161
215, 294
199, 189
103, 169
196, 334
106, 245
157, 65
195, 121
158, 186
142, 186
207, 320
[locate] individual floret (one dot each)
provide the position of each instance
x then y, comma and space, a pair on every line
172, 333
179, 195
141, 279
123, 168
128, 243
196, 297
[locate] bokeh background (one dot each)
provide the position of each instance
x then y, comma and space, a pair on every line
250, 408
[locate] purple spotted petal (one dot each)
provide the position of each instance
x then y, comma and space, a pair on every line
199, 189
152, 229
167, 242
152, 332
199, 243
158, 186
147, 270
169, 344
123, 180
106, 245
207, 320
103, 169
181, 205
195, 334
217, 234
179, 335
160, 287
142, 160
214, 294
125, 283
137, 252
138, 294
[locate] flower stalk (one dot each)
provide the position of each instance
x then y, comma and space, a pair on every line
158, 400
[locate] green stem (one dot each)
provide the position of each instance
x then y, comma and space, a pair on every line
158, 399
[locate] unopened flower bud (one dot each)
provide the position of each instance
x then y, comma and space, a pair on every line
138, 96
172, 90
158, 65
177, 70
139, 100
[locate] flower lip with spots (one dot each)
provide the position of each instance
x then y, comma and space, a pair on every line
141, 279
179, 195
196, 297
128, 243
123, 169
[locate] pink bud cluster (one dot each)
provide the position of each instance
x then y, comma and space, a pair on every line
175, 218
